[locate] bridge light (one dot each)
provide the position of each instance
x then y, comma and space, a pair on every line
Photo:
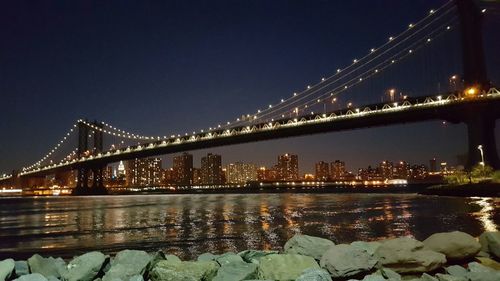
431, 12
338, 70
391, 38
472, 91
323, 79
372, 50
448, 27
410, 25
354, 60
483, 11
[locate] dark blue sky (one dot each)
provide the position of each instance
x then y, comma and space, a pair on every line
162, 67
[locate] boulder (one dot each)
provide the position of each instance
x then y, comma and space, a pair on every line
406, 255
454, 245
254, 256
370, 247
478, 272
427, 277
312, 274
489, 263
6, 268
236, 271
21, 268
32, 277
307, 245
228, 258
389, 274
490, 242
284, 266
85, 267
170, 270
47, 266
126, 264
345, 260
446, 277
456, 270
207, 257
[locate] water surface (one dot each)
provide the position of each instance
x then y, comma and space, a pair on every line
187, 225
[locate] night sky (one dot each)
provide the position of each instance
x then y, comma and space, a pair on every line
163, 67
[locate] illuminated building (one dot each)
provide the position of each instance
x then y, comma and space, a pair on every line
433, 165
121, 169
386, 170
288, 167
337, 170
241, 173
418, 172
369, 174
183, 169
211, 169
144, 172
265, 174
196, 176
322, 171
168, 176
402, 170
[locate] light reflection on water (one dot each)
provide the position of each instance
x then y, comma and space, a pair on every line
188, 225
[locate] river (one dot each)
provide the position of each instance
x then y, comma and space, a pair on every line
191, 224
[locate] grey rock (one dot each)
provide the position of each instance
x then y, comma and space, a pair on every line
6, 268
307, 245
184, 271
389, 274
207, 257
490, 242
479, 272
284, 266
172, 258
126, 264
52, 278
136, 278
47, 266
85, 267
32, 277
427, 277
406, 255
454, 245
345, 260
314, 275
374, 277
370, 247
456, 270
253, 256
447, 277
228, 258
21, 268
236, 271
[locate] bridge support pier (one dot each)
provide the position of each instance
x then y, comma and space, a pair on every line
481, 132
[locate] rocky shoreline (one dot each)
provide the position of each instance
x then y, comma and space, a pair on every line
450, 256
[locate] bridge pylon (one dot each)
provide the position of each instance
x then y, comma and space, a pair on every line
83, 171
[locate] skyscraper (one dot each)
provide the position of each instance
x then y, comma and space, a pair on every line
288, 167
386, 170
322, 171
241, 173
183, 169
144, 172
211, 169
337, 170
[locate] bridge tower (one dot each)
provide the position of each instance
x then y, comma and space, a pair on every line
82, 186
480, 123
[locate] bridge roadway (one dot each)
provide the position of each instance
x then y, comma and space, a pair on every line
452, 107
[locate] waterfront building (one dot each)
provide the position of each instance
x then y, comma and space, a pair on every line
322, 171
288, 167
240, 173
197, 176
168, 176
144, 172
402, 170
433, 165
183, 169
211, 169
121, 169
267, 174
337, 170
418, 172
386, 170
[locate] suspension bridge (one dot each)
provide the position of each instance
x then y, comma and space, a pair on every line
472, 100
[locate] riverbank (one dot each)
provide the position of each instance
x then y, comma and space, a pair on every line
441, 257
465, 190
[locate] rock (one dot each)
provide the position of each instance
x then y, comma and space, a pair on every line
207, 257
389, 274
52, 278
228, 258
6, 268
446, 277
454, 245
126, 264
345, 260
373, 277
370, 247
489, 263
21, 268
284, 266
479, 272
456, 270
47, 266
169, 270
236, 271
136, 278
406, 255
253, 256
490, 242
483, 254
158, 256
32, 277
85, 267
172, 258
314, 275
307, 245
427, 277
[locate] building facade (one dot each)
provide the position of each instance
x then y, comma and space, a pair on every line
183, 169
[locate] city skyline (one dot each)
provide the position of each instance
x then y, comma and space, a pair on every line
80, 61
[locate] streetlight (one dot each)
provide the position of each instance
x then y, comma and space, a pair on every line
391, 94
480, 147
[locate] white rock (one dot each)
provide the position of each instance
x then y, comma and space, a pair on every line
6, 268
490, 242
345, 260
307, 245
32, 277
454, 245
